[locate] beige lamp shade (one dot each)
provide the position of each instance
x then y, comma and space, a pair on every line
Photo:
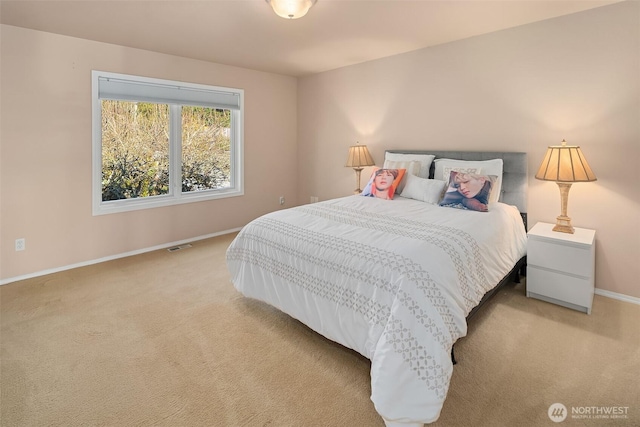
359, 157
565, 164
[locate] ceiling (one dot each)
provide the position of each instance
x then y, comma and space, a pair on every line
247, 33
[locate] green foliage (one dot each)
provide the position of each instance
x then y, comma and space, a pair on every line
135, 149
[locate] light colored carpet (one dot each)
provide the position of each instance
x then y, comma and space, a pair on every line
163, 339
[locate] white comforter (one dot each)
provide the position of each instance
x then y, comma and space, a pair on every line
392, 280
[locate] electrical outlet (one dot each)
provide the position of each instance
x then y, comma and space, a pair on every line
314, 199
21, 244
282, 200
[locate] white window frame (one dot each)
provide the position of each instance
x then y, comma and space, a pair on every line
106, 85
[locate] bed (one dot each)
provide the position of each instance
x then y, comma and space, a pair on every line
395, 280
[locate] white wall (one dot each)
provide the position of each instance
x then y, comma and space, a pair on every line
575, 77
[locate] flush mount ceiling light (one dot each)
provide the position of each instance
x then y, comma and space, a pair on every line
291, 9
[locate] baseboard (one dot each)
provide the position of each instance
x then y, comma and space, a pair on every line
601, 292
615, 295
112, 257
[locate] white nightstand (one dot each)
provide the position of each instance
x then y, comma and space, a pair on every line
561, 266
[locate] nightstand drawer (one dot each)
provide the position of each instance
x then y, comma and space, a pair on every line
571, 289
560, 257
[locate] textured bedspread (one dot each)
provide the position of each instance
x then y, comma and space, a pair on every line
393, 280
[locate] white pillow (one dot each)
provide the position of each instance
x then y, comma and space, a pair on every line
424, 159
425, 190
412, 168
443, 168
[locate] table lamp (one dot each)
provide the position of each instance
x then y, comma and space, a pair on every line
359, 157
565, 164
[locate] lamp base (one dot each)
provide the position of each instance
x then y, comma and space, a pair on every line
563, 225
358, 171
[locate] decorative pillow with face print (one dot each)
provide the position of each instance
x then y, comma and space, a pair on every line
443, 167
468, 191
383, 183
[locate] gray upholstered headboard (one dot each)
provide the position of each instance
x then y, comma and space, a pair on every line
514, 175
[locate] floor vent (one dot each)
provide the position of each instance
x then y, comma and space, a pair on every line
177, 248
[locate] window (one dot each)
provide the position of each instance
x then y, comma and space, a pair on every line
160, 142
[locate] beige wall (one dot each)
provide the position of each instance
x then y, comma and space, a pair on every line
575, 77
45, 157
